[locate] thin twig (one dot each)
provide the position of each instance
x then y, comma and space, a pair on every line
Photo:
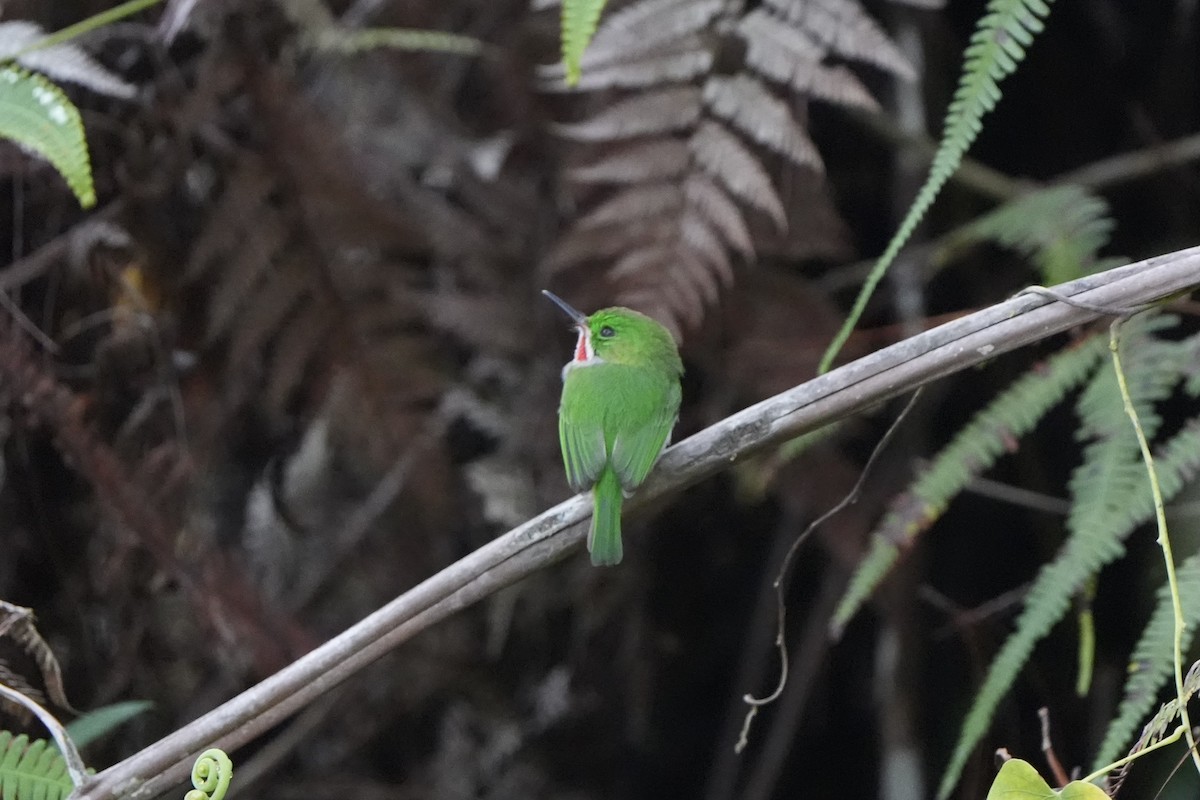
1018, 496
961, 619
97, 227
1137, 164
725, 762
1056, 766
780, 737
785, 570
550, 536
86, 25
26, 324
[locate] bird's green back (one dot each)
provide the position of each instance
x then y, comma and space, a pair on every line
615, 414
619, 405
620, 401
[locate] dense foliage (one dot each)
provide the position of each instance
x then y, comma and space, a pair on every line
296, 361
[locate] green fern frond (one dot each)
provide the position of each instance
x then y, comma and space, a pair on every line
1151, 664
36, 114
579, 20
996, 47
1110, 497
32, 769
1060, 229
211, 776
1160, 363
974, 449
1191, 374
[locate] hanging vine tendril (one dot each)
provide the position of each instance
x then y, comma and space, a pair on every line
211, 775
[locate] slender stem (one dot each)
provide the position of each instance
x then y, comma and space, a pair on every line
89, 24
1060, 774
1100, 773
340, 40
1137, 164
786, 567
1164, 539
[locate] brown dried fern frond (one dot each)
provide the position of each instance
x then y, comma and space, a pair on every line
288, 303
221, 596
303, 282
846, 30
692, 90
20, 641
791, 57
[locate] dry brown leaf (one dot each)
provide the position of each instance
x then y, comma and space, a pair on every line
789, 55
243, 270
229, 225
660, 111
847, 30
727, 159
650, 160
689, 157
287, 286
584, 246
295, 348
722, 213
634, 203
752, 108
650, 24
658, 282
688, 60
17, 625
698, 237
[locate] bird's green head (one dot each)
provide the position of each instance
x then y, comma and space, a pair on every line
621, 336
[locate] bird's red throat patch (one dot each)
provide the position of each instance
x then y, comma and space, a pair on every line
583, 347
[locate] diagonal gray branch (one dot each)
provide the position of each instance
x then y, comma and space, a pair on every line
551, 535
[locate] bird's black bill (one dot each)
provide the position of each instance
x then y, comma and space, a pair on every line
569, 309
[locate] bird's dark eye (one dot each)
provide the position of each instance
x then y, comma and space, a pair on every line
607, 332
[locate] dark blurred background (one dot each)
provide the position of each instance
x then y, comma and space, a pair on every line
301, 363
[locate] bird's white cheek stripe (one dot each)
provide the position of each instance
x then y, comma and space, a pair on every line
585, 356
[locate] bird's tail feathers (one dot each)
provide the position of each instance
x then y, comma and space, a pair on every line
604, 537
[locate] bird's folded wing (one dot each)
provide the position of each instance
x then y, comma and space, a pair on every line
583, 452
635, 451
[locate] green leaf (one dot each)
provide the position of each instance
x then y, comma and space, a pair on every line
95, 724
1018, 780
1151, 664
36, 114
974, 449
579, 20
1110, 497
1060, 229
996, 47
32, 769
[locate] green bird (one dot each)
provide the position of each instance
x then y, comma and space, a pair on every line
620, 400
